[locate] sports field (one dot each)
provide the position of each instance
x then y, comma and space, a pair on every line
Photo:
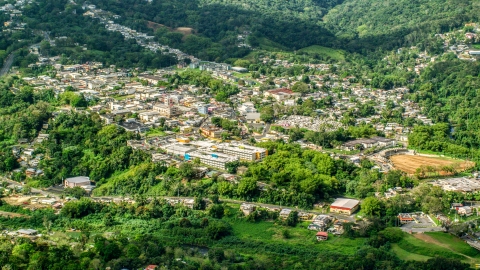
440, 165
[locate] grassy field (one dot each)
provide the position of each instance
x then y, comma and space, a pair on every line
424, 246
407, 256
271, 233
324, 51
476, 46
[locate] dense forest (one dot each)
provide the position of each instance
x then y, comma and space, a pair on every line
388, 24
61, 18
448, 92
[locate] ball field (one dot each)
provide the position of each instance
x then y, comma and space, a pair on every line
441, 165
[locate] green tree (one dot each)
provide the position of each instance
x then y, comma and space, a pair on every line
372, 206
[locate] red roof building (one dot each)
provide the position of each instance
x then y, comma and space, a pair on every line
322, 236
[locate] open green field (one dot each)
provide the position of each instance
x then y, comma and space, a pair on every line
324, 51
271, 233
476, 46
421, 247
407, 256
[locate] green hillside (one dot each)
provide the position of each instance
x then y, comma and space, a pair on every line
324, 51
377, 23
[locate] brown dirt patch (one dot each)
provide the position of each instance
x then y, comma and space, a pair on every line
184, 30
410, 164
12, 215
154, 25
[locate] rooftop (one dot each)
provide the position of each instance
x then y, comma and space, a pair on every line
345, 203
78, 179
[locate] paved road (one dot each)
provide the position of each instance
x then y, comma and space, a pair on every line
317, 212
6, 66
34, 190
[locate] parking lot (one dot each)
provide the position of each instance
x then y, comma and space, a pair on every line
421, 223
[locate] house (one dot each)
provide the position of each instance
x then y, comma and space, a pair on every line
133, 125
285, 213
151, 267
405, 218
465, 211
77, 181
314, 227
211, 132
166, 110
247, 208
27, 232
320, 222
280, 94
189, 203
252, 117
304, 216
322, 236
456, 206
344, 206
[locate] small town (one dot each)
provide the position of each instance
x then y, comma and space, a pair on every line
209, 162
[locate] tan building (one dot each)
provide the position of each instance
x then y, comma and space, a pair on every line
166, 110
344, 206
244, 152
211, 132
78, 181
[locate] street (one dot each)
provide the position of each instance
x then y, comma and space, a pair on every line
6, 66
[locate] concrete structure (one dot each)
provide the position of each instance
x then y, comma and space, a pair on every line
281, 94
460, 184
77, 181
247, 208
203, 109
211, 132
166, 110
244, 152
212, 159
284, 213
344, 206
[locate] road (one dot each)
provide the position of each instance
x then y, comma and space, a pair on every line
34, 190
316, 212
6, 66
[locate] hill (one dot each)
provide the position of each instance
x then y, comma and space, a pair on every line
369, 24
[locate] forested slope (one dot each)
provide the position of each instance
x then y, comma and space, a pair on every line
371, 24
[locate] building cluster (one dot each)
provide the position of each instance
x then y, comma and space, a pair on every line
460, 184
15, 12
210, 153
142, 39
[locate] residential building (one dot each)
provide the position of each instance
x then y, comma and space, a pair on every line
203, 109
166, 110
211, 132
284, 213
247, 208
281, 94
322, 236
465, 211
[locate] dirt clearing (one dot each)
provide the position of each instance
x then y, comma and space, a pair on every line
429, 165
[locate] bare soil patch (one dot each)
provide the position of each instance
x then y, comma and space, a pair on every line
184, 30
440, 165
154, 25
